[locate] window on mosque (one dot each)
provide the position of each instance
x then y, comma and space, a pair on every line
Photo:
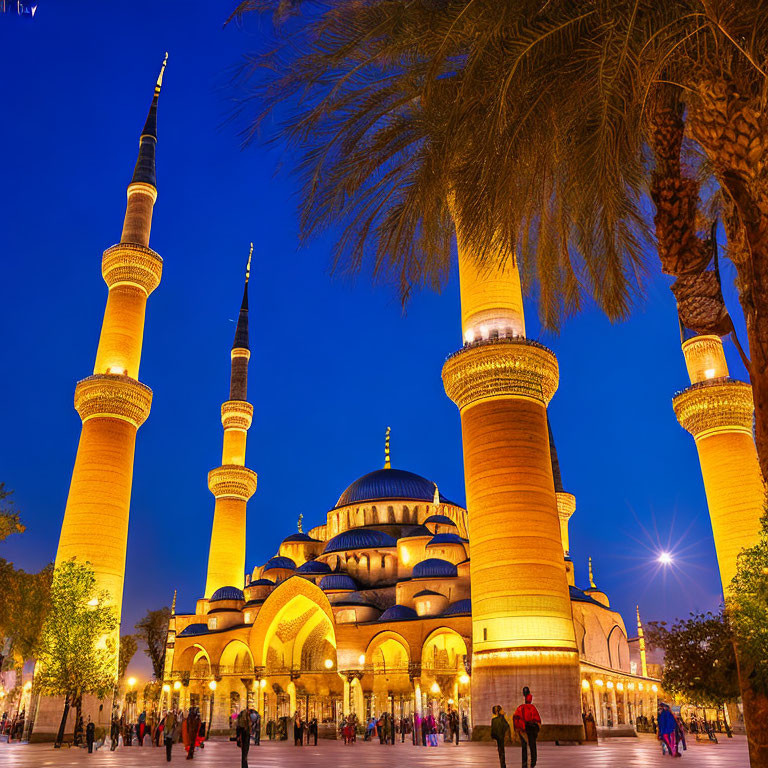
213, 623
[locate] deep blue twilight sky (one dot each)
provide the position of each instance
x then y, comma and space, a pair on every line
333, 362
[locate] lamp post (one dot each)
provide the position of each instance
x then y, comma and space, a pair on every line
212, 686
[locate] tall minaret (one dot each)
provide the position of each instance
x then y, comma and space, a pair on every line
566, 506
522, 624
718, 412
232, 484
112, 403
641, 645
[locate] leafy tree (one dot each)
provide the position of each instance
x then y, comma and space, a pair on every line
699, 659
10, 522
748, 611
152, 630
76, 653
128, 648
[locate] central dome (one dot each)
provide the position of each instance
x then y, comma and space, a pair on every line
385, 484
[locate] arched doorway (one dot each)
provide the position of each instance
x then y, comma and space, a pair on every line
388, 687
445, 683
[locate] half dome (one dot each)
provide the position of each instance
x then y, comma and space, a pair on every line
446, 538
459, 608
384, 484
359, 538
297, 537
193, 629
313, 568
279, 561
398, 613
433, 567
439, 520
227, 593
337, 581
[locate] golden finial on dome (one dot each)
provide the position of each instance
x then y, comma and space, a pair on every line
248, 265
436, 497
591, 575
301, 517
387, 462
173, 602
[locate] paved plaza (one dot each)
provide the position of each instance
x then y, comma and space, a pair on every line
641, 752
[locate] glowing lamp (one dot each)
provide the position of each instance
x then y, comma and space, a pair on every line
709, 373
131, 681
435, 688
619, 686
262, 682
177, 685
328, 663
654, 688
166, 688
631, 686
640, 686
93, 602
464, 679
609, 684
599, 683
212, 685
469, 336
450, 701
361, 660
585, 684
27, 685
2, 694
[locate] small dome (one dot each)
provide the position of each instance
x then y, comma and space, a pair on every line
297, 537
416, 530
337, 581
398, 613
261, 583
433, 567
313, 568
446, 538
386, 484
428, 593
459, 608
440, 520
279, 562
227, 593
359, 538
355, 598
193, 629
251, 603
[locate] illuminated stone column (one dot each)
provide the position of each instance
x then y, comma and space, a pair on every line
718, 412
112, 403
521, 613
232, 484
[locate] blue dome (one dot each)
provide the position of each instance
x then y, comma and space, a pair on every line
337, 581
359, 538
446, 538
227, 593
389, 484
459, 608
313, 567
582, 597
433, 567
428, 593
262, 583
440, 520
416, 530
398, 613
279, 562
354, 598
297, 537
193, 629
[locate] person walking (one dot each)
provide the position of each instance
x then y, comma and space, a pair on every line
527, 722
243, 730
298, 730
114, 733
192, 727
499, 732
169, 725
141, 727
453, 725
90, 732
313, 731
667, 726
256, 727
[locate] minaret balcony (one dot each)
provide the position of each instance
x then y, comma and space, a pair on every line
113, 396
236, 414
566, 504
501, 368
232, 481
713, 406
132, 264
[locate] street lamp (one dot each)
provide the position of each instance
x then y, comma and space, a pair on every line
328, 663
464, 679
361, 660
212, 686
177, 685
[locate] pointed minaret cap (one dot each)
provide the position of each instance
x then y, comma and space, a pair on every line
144, 171
591, 576
436, 497
173, 604
387, 461
300, 521
241, 333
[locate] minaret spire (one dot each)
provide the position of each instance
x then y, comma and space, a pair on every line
299, 526
436, 497
144, 172
173, 604
641, 644
387, 462
591, 576
238, 387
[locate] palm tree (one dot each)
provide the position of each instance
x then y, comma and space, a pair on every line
533, 128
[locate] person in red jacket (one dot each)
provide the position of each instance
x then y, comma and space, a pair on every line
527, 723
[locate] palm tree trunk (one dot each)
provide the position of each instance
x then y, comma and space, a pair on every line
63, 723
755, 704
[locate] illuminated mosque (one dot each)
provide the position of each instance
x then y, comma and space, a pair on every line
397, 599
